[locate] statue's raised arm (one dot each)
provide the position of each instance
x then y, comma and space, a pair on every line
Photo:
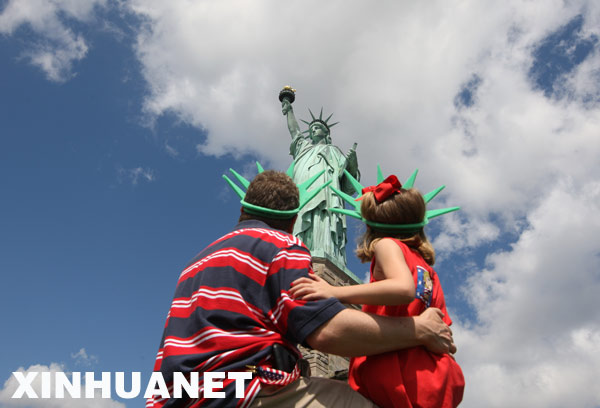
287, 97
322, 231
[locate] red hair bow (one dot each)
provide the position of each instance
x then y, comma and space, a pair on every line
385, 189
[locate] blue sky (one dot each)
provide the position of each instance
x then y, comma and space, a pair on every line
118, 118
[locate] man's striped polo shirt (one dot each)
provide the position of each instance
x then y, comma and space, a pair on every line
232, 304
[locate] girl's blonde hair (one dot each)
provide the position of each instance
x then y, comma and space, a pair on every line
405, 207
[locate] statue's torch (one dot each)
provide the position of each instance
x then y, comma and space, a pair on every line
288, 93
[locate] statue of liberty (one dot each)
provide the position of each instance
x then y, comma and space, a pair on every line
323, 232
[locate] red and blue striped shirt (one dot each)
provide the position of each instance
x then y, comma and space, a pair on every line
231, 305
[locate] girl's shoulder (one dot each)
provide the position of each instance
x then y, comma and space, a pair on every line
393, 247
411, 255
389, 242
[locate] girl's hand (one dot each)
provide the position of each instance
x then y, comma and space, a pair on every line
312, 288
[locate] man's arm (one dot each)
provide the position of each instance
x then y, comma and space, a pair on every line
353, 333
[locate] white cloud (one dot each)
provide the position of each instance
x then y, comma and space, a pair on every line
11, 385
134, 175
171, 151
456, 234
390, 72
518, 163
537, 339
82, 358
56, 46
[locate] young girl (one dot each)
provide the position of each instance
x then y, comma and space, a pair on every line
402, 283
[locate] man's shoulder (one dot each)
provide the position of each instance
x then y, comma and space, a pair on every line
258, 230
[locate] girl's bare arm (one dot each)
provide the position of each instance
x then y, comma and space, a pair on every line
394, 283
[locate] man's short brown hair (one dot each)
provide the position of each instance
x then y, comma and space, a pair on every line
275, 190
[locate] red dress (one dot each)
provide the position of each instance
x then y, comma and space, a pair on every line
412, 377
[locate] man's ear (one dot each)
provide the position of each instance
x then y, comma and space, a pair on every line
292, 222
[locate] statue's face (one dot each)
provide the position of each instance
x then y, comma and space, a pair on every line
318, 132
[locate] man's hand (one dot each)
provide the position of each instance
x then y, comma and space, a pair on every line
433, 333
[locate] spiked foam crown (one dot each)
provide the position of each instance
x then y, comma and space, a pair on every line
305, 195
355, 212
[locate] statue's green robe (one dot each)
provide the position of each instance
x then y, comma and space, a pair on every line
323, 232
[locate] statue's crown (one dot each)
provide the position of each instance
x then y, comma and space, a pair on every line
324, 122
304, 198
356, 213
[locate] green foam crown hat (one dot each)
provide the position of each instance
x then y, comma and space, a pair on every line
305, 195
355, 212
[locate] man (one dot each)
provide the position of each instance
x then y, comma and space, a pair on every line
232, 312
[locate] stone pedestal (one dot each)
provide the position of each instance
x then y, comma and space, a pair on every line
322, 364
332, 273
